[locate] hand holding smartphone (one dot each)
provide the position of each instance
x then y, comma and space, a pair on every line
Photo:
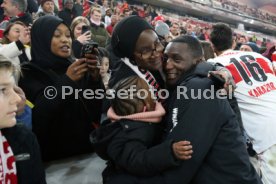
91, 53
89, 48
84, 29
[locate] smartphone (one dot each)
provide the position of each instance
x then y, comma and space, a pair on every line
84, 29
89, 48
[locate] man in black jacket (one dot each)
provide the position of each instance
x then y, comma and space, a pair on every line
194, 114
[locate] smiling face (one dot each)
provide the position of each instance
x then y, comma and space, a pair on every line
178, 61
15, 32
9, 8
148, 51
61, 42
8, 99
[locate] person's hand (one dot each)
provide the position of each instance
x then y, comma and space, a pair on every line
182, 150
77, 70
22, 103
229, 84
24, 36
84, 37
93, 63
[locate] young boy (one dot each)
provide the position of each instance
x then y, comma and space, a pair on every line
135, 147
19, 151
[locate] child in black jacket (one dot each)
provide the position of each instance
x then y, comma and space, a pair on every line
133, 147
20, 161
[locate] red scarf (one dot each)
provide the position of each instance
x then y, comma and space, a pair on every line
7, 163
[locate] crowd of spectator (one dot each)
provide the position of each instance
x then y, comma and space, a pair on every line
247, 10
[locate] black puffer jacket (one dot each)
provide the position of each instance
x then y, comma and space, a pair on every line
134, 149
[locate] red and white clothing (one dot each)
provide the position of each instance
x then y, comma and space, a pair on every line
7, 163
3, 25
147, 77
256, 95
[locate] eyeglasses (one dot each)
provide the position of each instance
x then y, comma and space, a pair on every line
147, 53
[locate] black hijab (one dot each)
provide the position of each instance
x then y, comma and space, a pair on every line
41, 36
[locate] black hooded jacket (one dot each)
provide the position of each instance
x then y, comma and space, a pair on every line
219, 152
62, 124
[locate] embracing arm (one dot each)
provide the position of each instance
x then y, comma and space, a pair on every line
198, 121
133, 151
134, 157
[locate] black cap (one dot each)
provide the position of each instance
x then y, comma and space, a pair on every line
126, 34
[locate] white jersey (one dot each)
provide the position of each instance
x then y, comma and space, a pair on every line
255, 93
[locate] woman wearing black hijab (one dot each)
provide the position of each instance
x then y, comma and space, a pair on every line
62, 122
